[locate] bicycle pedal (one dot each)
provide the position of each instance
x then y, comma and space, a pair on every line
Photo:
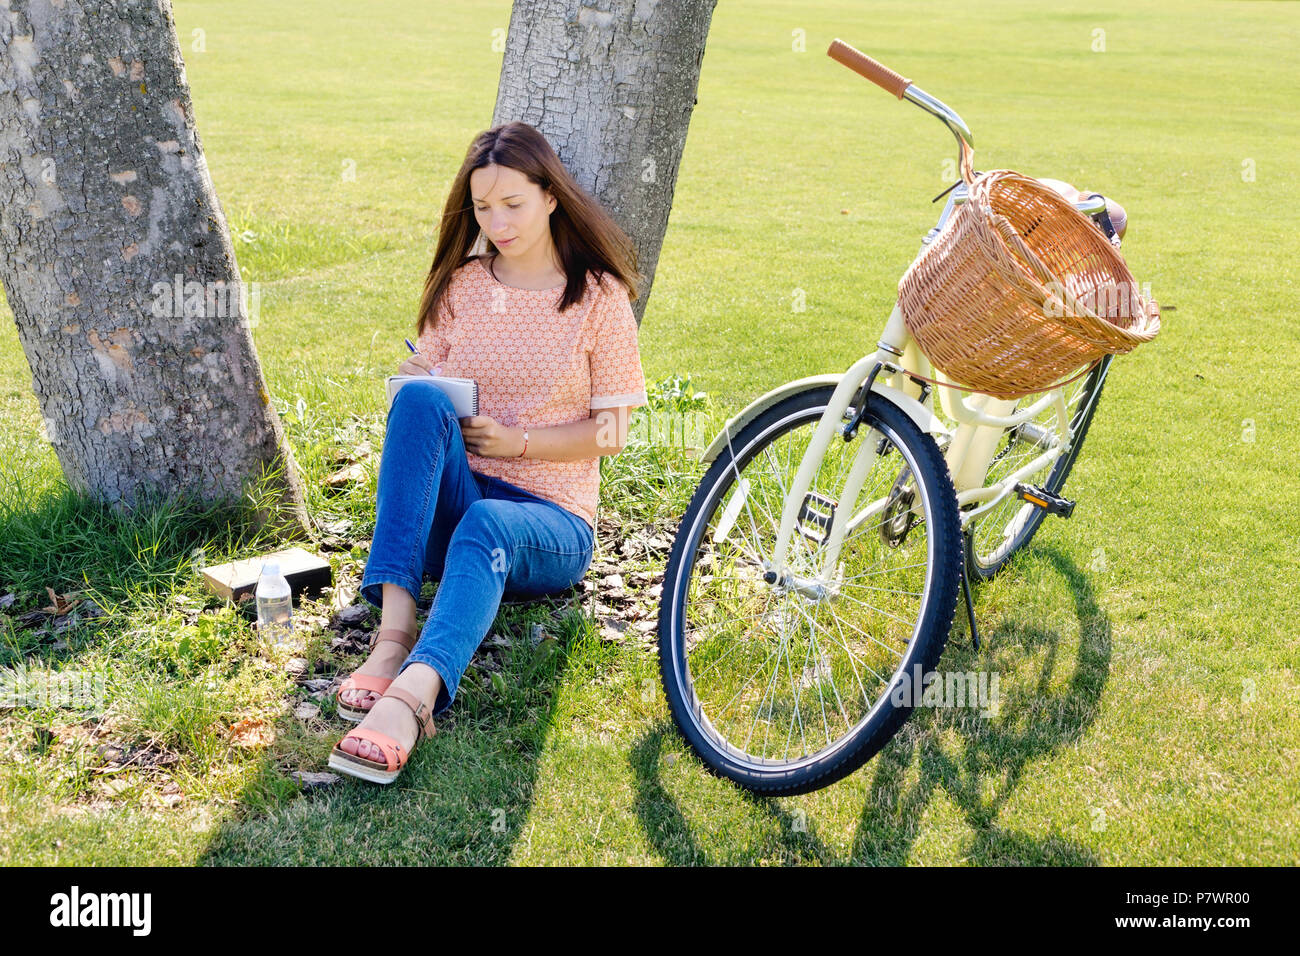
1052, 504
820, 511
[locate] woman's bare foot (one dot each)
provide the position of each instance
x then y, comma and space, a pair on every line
392, 717
386, 657
384, 660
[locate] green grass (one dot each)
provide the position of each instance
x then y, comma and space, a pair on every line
1146, 648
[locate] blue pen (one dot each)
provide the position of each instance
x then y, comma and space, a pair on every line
412, 348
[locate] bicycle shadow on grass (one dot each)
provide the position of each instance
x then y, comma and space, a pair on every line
672, 835
1035, 718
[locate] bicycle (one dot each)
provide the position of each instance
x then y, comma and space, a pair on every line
813, 582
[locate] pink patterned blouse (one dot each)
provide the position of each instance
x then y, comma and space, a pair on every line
537, 366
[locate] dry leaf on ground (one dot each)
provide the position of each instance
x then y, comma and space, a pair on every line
61, 603
251, 732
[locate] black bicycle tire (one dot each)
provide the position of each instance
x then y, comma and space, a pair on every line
865, 740
1055, 482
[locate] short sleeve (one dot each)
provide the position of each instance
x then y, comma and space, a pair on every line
435, 343
616, 375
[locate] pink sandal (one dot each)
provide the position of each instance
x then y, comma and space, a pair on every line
395, 756
370, 682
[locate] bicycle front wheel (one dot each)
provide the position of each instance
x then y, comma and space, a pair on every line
786, 689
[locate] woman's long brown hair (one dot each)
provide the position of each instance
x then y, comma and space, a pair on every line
586, 237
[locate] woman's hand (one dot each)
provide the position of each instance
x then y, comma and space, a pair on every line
487, 437
418, 365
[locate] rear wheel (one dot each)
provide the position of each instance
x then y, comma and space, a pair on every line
786, 687
1000, 532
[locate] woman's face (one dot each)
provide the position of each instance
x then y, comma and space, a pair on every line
513, 212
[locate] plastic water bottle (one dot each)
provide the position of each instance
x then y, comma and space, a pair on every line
274, 605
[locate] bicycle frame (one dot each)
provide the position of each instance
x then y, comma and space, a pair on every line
980, 419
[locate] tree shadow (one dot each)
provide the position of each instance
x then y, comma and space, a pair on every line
978, 773
466, 792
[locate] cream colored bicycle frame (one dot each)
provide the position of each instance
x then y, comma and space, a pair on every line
980, 420
980, 423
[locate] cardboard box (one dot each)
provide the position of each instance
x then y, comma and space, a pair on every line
305, 572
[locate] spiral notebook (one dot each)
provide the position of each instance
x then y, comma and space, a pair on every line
463, 392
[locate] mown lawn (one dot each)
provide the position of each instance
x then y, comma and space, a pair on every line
1147, 648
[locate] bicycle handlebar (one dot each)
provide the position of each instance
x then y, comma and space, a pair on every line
874, 70
905, 89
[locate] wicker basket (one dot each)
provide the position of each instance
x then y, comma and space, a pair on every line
1019, 290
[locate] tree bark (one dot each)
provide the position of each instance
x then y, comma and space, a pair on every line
118, 265
611, 84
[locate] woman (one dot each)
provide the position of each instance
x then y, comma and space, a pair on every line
506, 498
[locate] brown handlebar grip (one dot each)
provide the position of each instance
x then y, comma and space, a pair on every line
877, 73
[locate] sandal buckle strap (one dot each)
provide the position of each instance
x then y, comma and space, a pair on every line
394, 635
423, 715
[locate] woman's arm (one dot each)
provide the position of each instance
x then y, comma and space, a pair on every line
603, 433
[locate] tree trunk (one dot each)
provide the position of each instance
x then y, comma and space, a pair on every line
118, 264
612, 89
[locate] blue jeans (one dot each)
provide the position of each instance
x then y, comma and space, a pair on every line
475, 534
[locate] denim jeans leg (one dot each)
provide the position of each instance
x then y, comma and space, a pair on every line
533, 545
444, 526
424, 478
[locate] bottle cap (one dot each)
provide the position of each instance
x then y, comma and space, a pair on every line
271, 569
